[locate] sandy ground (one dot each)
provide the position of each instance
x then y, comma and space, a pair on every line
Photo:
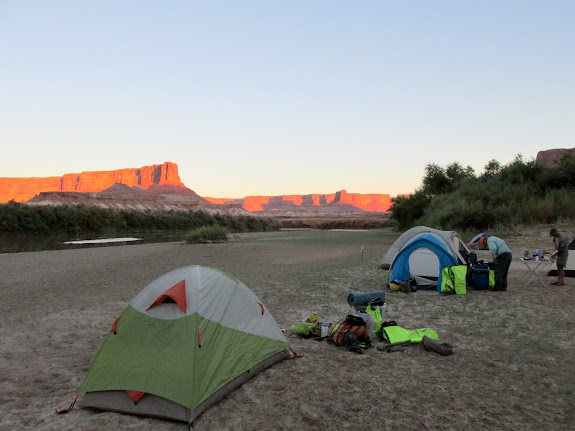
513, 367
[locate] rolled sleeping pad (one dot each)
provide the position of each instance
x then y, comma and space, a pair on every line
356, 299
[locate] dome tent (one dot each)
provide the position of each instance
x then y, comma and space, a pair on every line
422, 258
451, 239
184, 342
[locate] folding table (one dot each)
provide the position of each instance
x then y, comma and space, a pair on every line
537, 269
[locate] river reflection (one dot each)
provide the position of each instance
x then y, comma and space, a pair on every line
27, 243
102, 240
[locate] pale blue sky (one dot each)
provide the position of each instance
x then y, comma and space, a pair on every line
283, 97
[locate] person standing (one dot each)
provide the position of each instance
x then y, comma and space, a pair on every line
501, 255
562, 253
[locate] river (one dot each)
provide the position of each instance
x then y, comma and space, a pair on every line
27, 243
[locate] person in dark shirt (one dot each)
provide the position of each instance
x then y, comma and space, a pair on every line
501, 255
562, 253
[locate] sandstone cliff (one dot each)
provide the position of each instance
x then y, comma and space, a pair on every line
300, 203
125, 188
24, 189
550, 158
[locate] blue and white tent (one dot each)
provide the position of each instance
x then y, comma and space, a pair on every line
450, 237
422, 259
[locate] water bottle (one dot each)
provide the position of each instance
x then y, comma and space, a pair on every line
324, 330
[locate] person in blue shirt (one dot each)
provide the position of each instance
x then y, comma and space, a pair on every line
501, 255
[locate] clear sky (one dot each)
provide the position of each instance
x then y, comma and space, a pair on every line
283, 97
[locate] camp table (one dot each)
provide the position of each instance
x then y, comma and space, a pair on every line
536, 268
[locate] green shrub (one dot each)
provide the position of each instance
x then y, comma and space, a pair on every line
405, 211
521, 192
22, 218
211, 233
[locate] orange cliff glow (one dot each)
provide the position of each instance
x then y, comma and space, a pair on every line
367, 202
24, 189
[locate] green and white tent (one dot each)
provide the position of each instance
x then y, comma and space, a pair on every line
184, 342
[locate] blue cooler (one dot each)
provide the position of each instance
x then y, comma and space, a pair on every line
480, 276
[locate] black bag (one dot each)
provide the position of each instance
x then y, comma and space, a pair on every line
376, 302
385, 325
352, 320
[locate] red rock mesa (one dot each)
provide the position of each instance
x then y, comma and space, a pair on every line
550, 158
365, 202
24, 189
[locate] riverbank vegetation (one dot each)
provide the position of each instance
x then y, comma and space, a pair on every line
18, 218
205, 234
521, 192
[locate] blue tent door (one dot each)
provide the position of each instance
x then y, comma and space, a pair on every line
400, 266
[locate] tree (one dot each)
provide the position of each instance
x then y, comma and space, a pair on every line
435, 181
406, 210
491, 168
438, 180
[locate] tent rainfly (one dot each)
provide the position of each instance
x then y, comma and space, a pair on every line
184, 342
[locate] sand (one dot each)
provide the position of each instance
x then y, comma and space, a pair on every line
513, 366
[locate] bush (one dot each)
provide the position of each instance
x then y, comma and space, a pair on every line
211, 233
521, 192
405, 211
22, 218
